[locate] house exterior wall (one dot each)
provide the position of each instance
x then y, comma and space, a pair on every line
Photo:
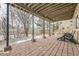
70, 24
75, 15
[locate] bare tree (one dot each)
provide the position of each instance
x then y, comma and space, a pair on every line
24, 18
18, 28
12, 18
15, 20
3, 27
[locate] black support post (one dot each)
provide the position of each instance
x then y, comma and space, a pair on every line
44, 29
76, 22
7, 48
33, 40
53, 29
49, 29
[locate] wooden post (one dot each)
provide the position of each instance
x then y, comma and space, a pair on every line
33, 40
7, 48
49, 29
44, 29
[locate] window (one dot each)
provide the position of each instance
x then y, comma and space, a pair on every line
71, 21
60, 22
63, 28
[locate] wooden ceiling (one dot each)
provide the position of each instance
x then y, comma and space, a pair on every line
50, 11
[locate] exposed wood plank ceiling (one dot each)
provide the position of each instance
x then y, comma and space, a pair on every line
51, 11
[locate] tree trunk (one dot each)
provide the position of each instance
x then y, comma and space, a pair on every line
13, 29
26, 30
17, 29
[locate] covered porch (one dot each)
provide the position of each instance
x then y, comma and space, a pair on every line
50, 28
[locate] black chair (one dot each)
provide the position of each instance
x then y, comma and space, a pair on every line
67, 36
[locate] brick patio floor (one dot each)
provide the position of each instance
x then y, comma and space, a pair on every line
44, 47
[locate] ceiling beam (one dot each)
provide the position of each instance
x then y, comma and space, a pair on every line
42, 8
29, 5
35, 5
66, 14
56, 9
52, 7
20, 6
41, 5
58, 13
63, 17
61, 14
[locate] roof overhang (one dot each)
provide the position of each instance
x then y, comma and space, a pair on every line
49, 11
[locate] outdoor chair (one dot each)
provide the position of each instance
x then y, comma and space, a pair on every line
67, 37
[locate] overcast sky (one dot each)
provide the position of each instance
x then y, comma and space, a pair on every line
2, 10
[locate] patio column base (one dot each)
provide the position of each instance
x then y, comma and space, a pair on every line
44, 37
8, 48
33, 40
49, 35
52, 33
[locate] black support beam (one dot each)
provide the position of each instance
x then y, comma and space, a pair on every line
44, 29
76, 22
53, 29
7, 48
33, 40
49, 28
